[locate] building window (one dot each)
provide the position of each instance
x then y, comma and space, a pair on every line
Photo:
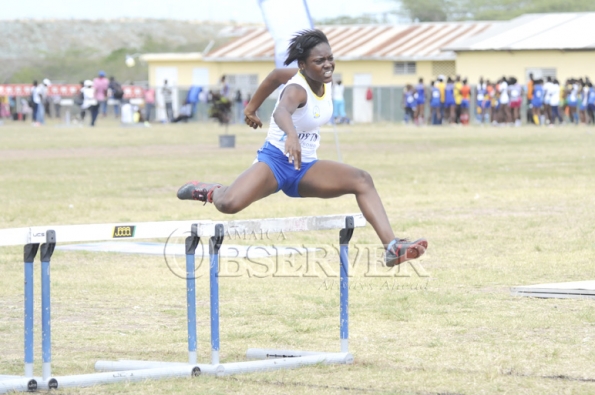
404, 68
540, 73
445, 68
246, 83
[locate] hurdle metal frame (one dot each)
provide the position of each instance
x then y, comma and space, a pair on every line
132, 370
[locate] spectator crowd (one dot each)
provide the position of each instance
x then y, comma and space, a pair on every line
444, 101
503, 102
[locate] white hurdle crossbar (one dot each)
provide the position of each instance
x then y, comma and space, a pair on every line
163, 229
127, 370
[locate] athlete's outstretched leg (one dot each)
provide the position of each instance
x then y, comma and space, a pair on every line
254, 184
328, 179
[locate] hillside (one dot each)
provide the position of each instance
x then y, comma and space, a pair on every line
71, 50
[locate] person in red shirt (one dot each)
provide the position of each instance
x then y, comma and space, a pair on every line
101, 85
465, 102
529, 98
149, 103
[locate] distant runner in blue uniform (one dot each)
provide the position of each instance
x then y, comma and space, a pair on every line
435, 104
420, 111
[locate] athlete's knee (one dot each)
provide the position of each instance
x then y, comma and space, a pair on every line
227, 205
363, 180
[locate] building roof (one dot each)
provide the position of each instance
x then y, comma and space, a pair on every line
560, 31
419, 41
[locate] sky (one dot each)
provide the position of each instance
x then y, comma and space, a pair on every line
245, 11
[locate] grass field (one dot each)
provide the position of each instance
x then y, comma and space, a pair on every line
500, 207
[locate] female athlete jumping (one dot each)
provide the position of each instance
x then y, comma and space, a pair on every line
287, 161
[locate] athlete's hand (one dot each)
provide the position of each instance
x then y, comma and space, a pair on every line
252, 119
293, 150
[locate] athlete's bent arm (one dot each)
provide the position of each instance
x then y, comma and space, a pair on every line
275, 79
292, 97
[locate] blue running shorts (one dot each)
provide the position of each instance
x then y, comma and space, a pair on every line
285, 173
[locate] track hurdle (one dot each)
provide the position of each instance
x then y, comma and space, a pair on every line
28, 382
266, 359
128, 370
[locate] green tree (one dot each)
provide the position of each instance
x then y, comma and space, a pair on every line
76, 64
448, 10
364, 19
429, 10
426, 10
508, 9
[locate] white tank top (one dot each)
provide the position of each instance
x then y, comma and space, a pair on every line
504, 99
515, 92
307, 120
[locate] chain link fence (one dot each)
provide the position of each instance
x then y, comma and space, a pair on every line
387, 105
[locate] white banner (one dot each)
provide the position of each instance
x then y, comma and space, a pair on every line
284, 18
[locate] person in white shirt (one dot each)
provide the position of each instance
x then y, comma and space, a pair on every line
56, 99
339, 102
504, 101
89, 101
516, 99
554, 92
184, 114
39, 95
25, 108
547, 98
480, 91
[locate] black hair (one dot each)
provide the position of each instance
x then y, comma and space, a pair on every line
302, 43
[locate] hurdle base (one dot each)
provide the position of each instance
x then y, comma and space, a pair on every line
47, 384
266, 353
9, 383
289, 362
262, 360
91, 379
129, 364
